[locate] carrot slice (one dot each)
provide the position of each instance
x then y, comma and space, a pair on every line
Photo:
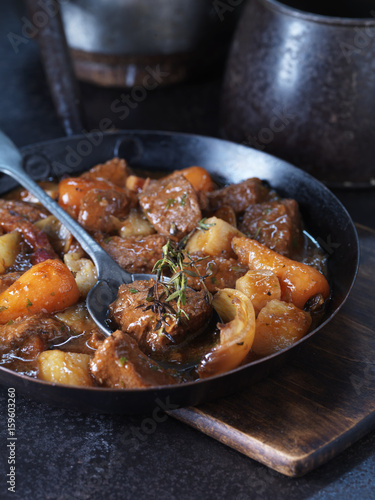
47, 287
73, 189
198, 177
299, 282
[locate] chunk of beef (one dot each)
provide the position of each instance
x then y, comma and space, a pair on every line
136, 254
139, 318
171, 205
238, 196
38, 331
116, 171
30, 211
119, 362
100, 209
220, 272
274, 224
8, 279
203, 203
226, 213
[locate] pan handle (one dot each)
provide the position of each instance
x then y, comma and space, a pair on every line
58, 66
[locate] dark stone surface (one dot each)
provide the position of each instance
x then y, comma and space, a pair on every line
63, 454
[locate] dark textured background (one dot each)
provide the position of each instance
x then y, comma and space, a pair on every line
64, 454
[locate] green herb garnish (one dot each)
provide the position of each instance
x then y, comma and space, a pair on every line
170, 202
178, 264
29, 303
202, 224
237, 268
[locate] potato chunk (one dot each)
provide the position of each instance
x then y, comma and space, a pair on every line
84, 272
68, 368
9, 249
260, 287
136, 224
216, 240
279, 325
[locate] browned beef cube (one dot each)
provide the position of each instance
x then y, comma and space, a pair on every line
38, 330
171, 205
220, 272
138, 317
136, 254
119, 362
274, 224
114, 170
29, 211
238, 196
226, 213
100, 209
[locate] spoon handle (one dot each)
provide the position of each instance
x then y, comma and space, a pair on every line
11, 164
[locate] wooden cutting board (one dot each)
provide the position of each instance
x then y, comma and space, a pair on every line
318, 405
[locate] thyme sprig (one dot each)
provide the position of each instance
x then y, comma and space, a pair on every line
175, 286
172, 272
203, 225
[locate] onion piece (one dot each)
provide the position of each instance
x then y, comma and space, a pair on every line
236, 333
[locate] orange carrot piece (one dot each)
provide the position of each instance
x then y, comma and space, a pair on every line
199, 178
299, 282
47, 287
73, 189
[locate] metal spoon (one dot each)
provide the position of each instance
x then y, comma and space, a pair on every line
110, 274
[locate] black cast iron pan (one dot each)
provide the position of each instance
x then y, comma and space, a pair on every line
325, 218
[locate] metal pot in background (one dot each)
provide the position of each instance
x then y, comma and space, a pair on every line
113, 42
300, 84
